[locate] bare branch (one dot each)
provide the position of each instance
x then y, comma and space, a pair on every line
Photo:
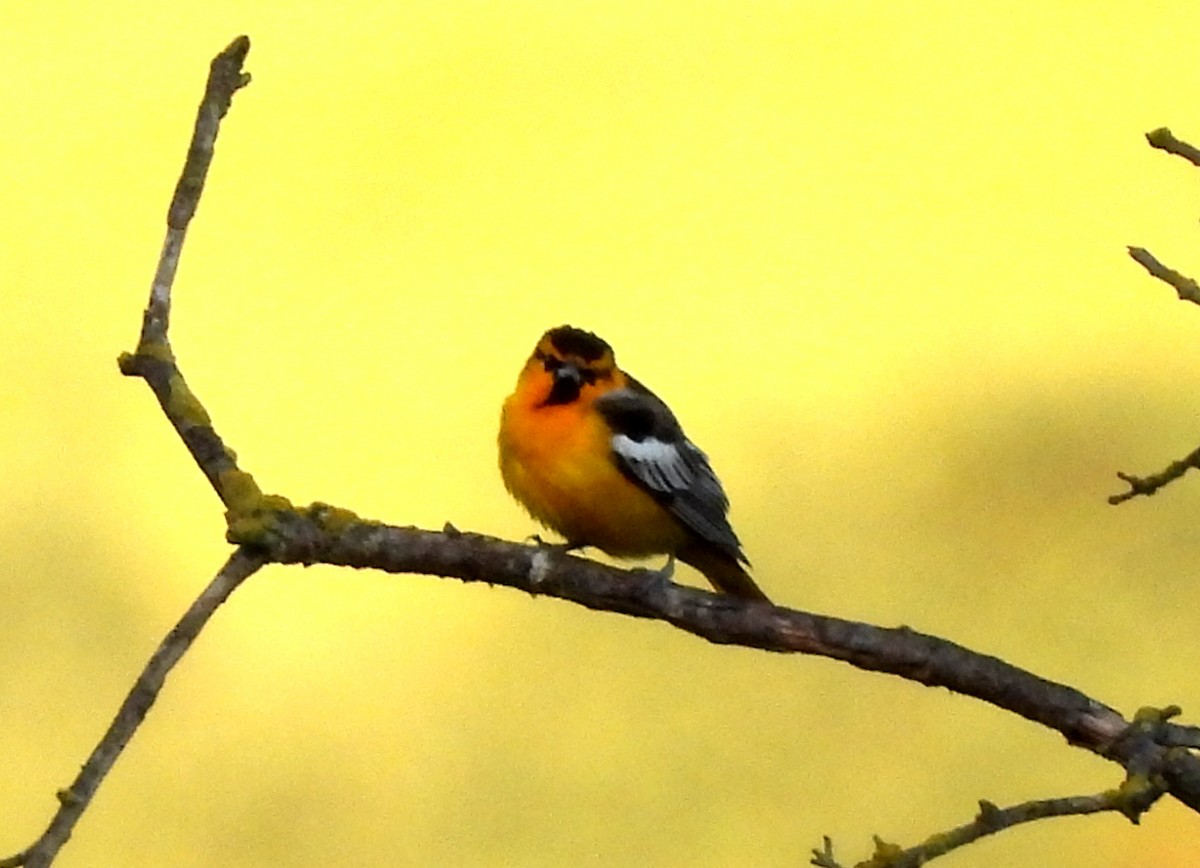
1131, 799
325, 534
1163, 139
224, 79
74, 800
153, 360
1188, 290
1149, 485
1185, 287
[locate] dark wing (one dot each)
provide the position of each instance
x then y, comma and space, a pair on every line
651, 449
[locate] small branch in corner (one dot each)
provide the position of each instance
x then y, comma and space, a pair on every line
1163, 139
1184, 286
1133, 798
74, 800
1188, 290
1145, 486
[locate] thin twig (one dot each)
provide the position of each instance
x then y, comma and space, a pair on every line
1163, 139
1185, 287
225, 78
1145, 486
74, 800
1131, 799
153, 360
1188, 290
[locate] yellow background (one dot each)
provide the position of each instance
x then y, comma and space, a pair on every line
873, 255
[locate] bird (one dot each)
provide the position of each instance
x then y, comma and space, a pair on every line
598, 458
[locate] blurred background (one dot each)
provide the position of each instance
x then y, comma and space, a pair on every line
873, 255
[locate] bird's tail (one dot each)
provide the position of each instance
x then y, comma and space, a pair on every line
722, 571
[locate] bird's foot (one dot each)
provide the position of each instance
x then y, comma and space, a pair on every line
668, 570
660, 587
660, 580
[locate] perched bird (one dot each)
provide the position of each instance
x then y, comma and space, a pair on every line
599, 458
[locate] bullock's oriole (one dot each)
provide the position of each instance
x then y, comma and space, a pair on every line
599, 458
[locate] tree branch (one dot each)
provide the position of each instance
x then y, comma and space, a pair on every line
1147, 486
1188, 290
74, 800
154, 360
325, 534
1185, 287
1131, 799
1165, 140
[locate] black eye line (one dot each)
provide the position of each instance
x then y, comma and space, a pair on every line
587, 375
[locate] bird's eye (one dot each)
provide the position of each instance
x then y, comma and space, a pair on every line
588, 376
551, 363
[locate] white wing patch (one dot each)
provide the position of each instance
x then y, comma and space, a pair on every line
660, 465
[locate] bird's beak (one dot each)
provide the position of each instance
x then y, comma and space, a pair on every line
568, 381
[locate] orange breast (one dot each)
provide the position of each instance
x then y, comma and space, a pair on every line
556, 460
